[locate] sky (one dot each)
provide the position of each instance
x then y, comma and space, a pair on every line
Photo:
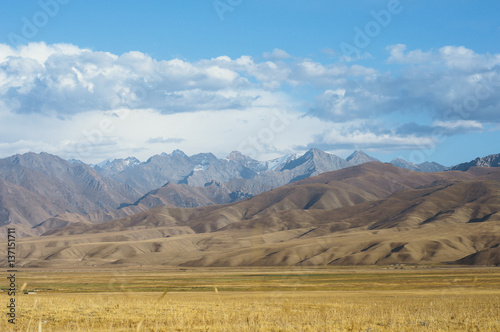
94, 80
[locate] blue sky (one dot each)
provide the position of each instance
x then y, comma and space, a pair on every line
93, 80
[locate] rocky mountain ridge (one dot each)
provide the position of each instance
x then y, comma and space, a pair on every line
36, 186
46, 191
373, 213
426, 167
493, 160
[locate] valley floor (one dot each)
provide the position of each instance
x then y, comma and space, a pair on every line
284, 299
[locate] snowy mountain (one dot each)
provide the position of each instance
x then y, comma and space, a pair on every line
38, 189
109, 167
240, 172
259, 166
241, 175
203, 179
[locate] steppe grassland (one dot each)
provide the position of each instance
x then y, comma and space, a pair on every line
368, 300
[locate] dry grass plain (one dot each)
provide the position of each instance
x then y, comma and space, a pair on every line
285, 299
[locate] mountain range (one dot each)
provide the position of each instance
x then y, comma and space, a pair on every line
40, 192
372, 213
226, 180
35, 187
202, 168
493, 160
422, 167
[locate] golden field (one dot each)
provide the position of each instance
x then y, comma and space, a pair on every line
342, 299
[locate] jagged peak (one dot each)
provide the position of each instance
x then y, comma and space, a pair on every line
313, 152
236, 155
131, 159
178, 152
357, 153
32, 158
104, 163
401, 160
492, 160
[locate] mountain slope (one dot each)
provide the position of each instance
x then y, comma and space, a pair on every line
358, 157
184, 196
492, 160
52, 185
176, 167
369, 214
238, 176
338, 189
199, 169
62, 191
22, 207
426, 167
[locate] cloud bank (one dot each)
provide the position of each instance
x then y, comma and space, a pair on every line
95, 105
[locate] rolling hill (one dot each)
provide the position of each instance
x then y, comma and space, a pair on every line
43, 191
373, 213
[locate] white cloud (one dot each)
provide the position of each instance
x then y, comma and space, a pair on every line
398, 55
40, 79
459, 124
447, 57
451, 83
55, 98
277, 54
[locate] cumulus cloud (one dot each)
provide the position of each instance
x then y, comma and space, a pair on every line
277, 54
366, 136
64, 79
92, 105
451, 83
398, 55
41, 78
